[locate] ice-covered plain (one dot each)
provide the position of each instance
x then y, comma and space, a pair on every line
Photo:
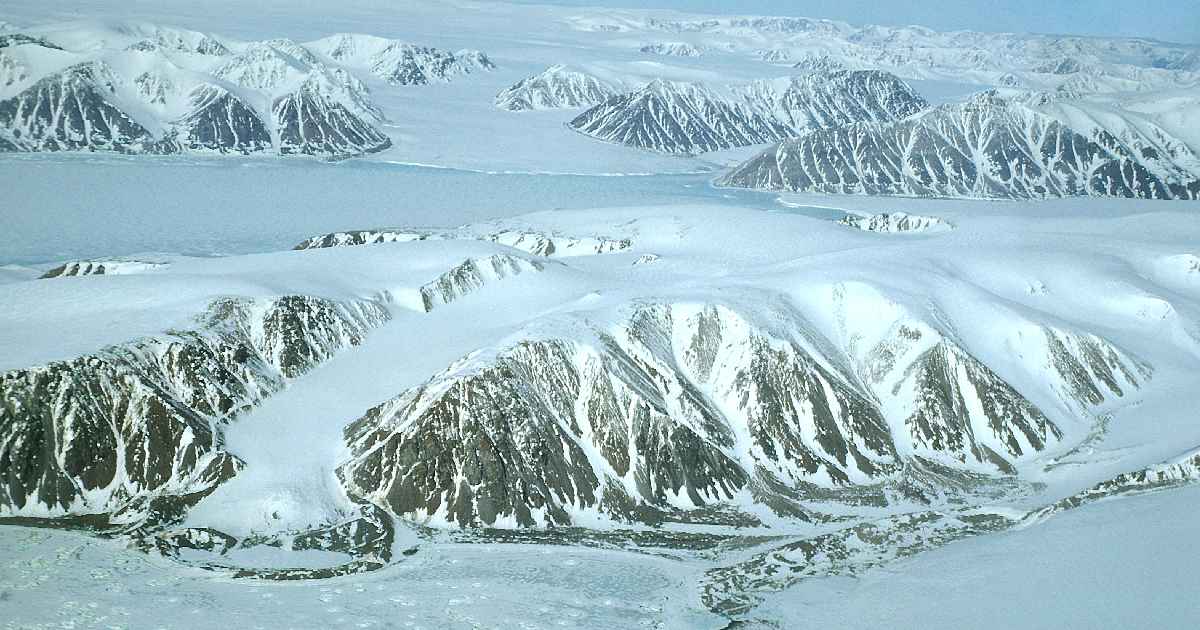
508, 346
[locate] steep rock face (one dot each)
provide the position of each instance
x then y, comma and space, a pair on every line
310, 122
691, 118
677, 410
819, 63
366, 237
111, 430
536, 243
672, 49
678, 118
21, 39
401, 63
555, 88
836, 97
963, 409
896, 223
674, 409
953, 408
984, 148
154, 88
1113, 126
221, 122
108, 266
316, 109
557, 245
1092, 371
72, 110
472, 274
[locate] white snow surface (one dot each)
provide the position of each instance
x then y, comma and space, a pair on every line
1117, 564
997, 284
454, 123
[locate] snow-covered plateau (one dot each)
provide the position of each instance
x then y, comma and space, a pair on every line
474, 315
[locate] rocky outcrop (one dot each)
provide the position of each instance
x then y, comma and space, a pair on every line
401, 63
672, 49
1181, 470
104, 266
675, 117
71, 110
222, 123
987, 147
21, 39
895, 223
536, 243
108, 432
692, 118
289, 100
472, 274
675, 410
310, 122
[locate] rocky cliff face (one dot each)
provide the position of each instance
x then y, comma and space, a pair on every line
309, 122
143, 88
143, 420
221, 122
678, 118
831, 98
680, 409
691, 118
470, 275
71, 110
896, 223
987, 147
104, 266
536, 243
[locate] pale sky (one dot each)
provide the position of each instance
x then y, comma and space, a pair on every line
1172, 20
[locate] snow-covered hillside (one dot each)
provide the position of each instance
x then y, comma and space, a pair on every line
989, 146
691, 118
638, 319
141, 88
555, 88
880, 393
676, 84
915, 52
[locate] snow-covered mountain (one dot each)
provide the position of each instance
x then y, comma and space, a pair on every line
895, 223
786, 382
672, 49
142, 88
989, 146
673, 117
556, 88
400, 63
137, 427
678, 118
683, 406
544, 396
550, 245
915, 52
